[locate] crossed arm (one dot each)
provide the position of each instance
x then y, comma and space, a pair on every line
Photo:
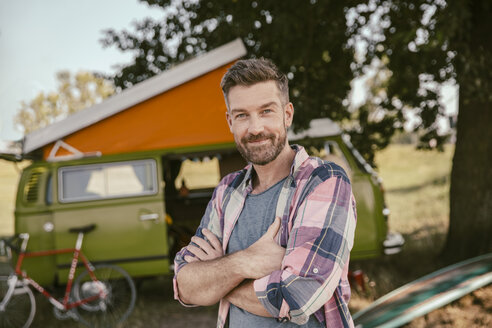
211, 275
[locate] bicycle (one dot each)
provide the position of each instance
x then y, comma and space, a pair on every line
101, 296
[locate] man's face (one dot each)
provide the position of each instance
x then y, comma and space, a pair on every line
259, 121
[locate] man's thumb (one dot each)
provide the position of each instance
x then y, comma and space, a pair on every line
273, 228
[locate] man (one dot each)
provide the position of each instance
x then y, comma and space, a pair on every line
273, 246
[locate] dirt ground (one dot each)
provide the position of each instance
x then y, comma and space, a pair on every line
472, 310
156, 308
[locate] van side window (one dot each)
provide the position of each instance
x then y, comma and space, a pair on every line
107, 180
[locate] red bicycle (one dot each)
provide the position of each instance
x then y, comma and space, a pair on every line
101, 296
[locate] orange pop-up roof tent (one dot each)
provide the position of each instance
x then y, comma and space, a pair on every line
180, 107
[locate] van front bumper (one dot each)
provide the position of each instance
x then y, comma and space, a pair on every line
393, 243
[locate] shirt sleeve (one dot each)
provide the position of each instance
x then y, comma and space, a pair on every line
317, 251
210, 221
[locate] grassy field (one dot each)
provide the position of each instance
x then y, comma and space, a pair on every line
417, 187
9, 175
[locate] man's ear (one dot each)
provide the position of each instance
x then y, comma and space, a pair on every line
229, 120
289, 114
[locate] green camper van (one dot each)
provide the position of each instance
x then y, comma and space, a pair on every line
142, 166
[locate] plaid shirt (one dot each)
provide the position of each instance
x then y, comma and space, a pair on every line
318, 215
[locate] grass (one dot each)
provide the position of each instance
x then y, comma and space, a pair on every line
9, 176
417, 186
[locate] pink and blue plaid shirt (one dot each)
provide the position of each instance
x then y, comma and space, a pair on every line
318, 214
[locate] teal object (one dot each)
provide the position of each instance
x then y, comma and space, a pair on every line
427, 294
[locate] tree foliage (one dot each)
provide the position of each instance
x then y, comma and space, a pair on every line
427, 43
317, 43
305, 39
409, 47
75, 92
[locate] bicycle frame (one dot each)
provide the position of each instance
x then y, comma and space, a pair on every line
77, 253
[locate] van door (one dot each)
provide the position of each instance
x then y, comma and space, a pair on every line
125, 201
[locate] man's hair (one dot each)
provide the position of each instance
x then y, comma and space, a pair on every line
247, 72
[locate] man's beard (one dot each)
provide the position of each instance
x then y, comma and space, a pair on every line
264, 154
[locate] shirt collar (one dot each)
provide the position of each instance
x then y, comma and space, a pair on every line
300, 157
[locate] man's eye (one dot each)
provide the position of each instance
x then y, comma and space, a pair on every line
240, 115
266, 111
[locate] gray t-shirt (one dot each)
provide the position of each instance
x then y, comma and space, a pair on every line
257, 215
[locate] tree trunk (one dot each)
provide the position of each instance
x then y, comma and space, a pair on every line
470, 225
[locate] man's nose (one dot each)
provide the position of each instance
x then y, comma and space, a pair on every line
255, 125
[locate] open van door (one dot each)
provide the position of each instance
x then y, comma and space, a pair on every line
125, 200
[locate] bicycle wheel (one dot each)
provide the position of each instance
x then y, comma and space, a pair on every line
20, 309
116, 299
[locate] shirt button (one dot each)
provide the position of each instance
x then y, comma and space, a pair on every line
315, 270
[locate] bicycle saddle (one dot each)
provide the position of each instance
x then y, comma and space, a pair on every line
83, 229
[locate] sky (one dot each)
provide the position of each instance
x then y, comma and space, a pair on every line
41, 37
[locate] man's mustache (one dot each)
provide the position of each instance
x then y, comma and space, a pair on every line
256, 137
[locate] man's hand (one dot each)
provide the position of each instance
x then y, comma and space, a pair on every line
260, 259
207, 250
265, 255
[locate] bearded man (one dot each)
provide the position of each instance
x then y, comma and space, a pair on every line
273, 245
